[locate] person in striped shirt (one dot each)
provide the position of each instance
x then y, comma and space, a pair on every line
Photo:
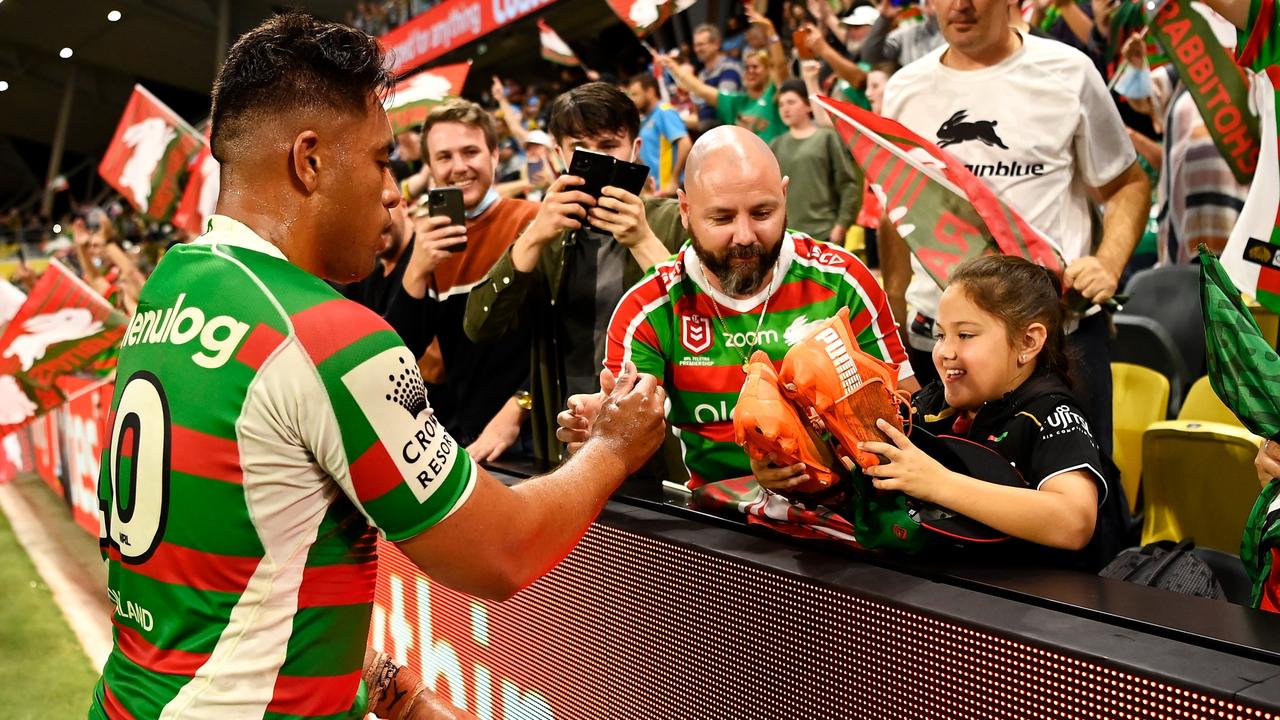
742, 283
265, 429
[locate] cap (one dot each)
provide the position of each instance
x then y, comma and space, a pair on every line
539, 137
861, 15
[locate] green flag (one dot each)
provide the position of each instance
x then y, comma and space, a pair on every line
1243, 367
1260, 547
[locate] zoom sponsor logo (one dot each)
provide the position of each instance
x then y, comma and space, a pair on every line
751, 339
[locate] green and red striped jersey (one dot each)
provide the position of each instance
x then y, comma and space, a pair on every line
673, 324
262, 428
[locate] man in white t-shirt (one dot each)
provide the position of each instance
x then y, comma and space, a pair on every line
1032, 118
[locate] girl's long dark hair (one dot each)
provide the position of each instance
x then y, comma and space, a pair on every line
1019, 292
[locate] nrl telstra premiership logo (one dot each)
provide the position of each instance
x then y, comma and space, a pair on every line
695, 333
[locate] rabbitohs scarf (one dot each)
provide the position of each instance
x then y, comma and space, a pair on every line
1216, 84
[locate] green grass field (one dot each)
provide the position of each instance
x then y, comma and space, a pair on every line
45, 675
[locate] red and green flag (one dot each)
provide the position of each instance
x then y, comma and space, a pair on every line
63, 327
943, 212
149, 154
413, 97
200, 196
643, 16
554, 48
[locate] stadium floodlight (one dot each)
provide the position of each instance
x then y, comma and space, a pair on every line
112, 16
65, 53
4, 84
57, 228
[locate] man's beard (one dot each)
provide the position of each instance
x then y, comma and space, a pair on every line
738, 279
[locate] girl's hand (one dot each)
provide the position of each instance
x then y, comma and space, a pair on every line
909, 470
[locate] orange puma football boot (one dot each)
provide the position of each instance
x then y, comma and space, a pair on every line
840, 389
765, 422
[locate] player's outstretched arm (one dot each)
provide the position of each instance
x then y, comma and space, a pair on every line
502, 539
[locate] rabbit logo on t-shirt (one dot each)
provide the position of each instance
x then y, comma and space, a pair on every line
955, 130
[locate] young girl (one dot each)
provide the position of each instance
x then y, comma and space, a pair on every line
1001, 356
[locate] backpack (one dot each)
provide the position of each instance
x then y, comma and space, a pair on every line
1166, 566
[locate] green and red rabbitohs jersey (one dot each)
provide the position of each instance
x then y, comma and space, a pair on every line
695, 339
262, 427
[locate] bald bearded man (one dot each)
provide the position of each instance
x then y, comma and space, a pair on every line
742, 283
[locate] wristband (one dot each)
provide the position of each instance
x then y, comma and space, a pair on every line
774, 38
404, 190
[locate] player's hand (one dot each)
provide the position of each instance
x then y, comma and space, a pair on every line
621, 214
775, 477
837, 235
1092, 279
432, 240
575, 420
563, 208
630, 422
909, 469
1267, 463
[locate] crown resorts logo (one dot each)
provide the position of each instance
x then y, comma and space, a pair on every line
409, 391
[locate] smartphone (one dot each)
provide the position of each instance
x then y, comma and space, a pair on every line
800, 41
629, 176
596, 169
447, 201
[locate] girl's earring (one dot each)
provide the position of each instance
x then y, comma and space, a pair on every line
1022, 359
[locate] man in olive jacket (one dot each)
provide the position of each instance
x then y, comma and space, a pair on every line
563, 277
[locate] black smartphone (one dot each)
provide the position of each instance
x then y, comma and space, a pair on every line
629, 176
596, 169
447, 201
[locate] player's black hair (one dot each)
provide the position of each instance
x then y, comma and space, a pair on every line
293, 62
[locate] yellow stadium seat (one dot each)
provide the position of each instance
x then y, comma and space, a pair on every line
1140, 396
1198, 482
1203, 404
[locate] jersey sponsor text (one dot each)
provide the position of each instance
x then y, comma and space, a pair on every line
219, 335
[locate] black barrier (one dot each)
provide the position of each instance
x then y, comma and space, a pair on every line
661, 616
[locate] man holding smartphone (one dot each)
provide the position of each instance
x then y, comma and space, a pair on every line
563, 277
462, 227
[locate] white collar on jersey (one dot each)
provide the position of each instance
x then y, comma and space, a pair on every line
222, 230
693, 266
